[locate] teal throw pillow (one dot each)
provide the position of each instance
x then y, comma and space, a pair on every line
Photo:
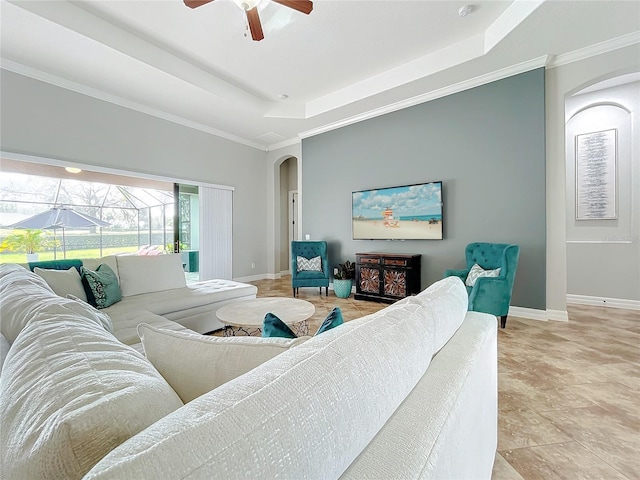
332, 321
103, 288
272, 326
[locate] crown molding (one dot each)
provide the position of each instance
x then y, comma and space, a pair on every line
434, 94
283, 144
593, 50
36, 74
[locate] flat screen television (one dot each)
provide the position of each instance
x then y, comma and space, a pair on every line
409, 212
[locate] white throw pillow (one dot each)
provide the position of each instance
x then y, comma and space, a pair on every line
309, 264
477, 271
196, 364
145, 274
63, 282
70, 394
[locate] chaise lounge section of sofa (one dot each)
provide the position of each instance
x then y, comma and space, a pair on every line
157, 284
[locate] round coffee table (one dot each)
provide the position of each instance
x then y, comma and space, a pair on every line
246, 316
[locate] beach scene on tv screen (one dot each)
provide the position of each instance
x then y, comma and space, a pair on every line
412, 212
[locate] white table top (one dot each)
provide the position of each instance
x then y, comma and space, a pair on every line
251, 312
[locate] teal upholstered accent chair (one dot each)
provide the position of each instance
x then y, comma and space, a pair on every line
490, 294
305, 277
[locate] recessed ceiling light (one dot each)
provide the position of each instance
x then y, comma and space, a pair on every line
465, 10
283, 96
73, 169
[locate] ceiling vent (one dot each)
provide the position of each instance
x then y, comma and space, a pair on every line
270, 138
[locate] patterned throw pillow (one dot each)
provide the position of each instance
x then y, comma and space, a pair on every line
103, 285
272, 326
309, 264
477, 271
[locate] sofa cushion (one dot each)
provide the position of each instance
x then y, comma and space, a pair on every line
94, 263
333, 320
194, 364
70, 394
4, 349
125, 325
63, 282
144, 274
24, 294
273, 421
62, 264
309, 264
84, 309
179, 299
272, 326
477, 272
455, 399
103, 287
439, 299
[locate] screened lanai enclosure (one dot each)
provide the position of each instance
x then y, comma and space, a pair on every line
140, 218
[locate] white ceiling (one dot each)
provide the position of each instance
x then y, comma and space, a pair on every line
346, 61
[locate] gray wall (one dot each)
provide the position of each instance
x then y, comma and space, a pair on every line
486, 144
47, 121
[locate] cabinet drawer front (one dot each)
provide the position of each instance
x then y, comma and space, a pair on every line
370, 260
394, 261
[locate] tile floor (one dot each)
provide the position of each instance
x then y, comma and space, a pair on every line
568, 391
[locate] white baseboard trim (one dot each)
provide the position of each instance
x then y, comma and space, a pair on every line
261, 276
558, 315
541, 315
603, 302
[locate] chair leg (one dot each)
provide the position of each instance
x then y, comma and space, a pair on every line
326, 291
503, 321
294, 292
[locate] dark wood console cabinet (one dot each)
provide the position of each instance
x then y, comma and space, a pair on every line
387, 277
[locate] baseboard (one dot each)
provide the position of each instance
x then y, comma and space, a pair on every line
540, 315
603, 302
558, 315
253, 278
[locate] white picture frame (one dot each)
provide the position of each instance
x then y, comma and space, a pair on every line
596, 175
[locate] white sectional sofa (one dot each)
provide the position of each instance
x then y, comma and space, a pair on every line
157, 284
407, 392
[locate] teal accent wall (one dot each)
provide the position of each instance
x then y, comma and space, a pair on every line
486, 144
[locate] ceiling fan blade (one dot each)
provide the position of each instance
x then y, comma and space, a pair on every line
196, 3
254, 24
304, 6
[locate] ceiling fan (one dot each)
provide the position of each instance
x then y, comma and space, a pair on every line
251, 8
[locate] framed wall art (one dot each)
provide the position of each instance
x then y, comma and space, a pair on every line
596, 175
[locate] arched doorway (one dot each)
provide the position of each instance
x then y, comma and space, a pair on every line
287, 194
